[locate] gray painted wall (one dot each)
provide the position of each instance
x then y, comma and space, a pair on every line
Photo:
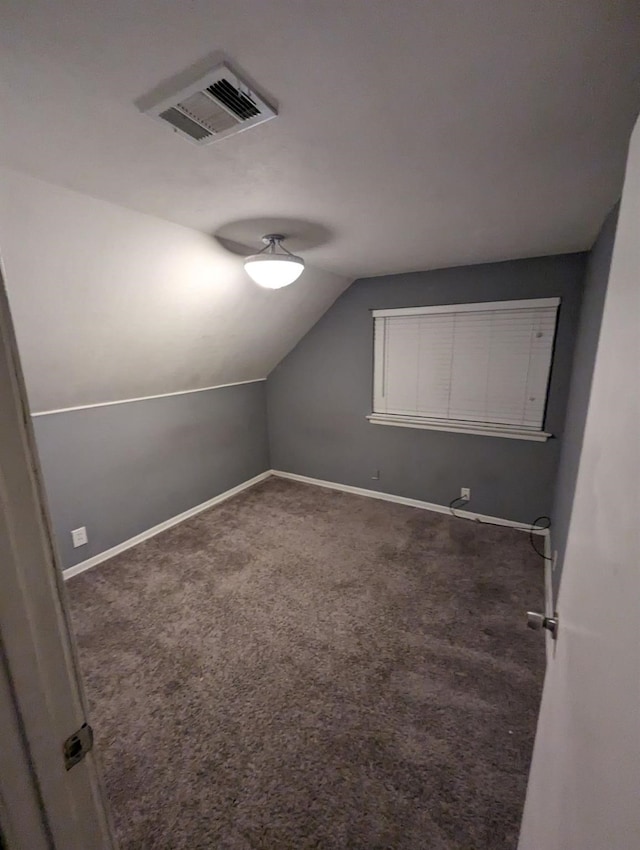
319, 395
588, 334
123, 468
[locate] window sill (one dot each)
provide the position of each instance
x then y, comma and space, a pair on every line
511, 433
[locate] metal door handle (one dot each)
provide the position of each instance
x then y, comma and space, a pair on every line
539, 621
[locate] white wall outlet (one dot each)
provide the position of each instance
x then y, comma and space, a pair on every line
465, 493
79, 537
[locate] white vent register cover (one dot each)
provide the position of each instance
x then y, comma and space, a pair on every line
214, 106
468, 367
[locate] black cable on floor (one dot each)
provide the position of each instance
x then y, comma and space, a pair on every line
462, 499
534, 525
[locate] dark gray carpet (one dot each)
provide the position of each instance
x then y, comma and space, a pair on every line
301, 668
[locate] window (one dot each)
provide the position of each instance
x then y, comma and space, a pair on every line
475, 368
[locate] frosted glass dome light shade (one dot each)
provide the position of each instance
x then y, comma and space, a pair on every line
274, 270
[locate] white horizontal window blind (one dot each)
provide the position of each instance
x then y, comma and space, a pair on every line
485, 363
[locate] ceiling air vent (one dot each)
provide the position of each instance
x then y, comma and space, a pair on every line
214, 106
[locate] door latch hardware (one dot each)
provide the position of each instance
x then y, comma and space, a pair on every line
539, 621
77, 746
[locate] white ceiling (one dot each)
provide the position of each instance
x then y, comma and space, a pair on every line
420, 134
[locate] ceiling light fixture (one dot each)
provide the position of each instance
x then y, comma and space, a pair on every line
274, 266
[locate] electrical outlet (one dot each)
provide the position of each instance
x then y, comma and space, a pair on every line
79, 537
376, 475
465, 493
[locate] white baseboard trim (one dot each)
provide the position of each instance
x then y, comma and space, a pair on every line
331, 485
548, 569
403, 500
163, 526
548, 592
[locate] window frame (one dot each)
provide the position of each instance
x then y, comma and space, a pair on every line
514, 432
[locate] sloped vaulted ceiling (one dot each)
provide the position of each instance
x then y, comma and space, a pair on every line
110, 304
420, 134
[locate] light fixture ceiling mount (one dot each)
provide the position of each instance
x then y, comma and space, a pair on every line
274, 266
